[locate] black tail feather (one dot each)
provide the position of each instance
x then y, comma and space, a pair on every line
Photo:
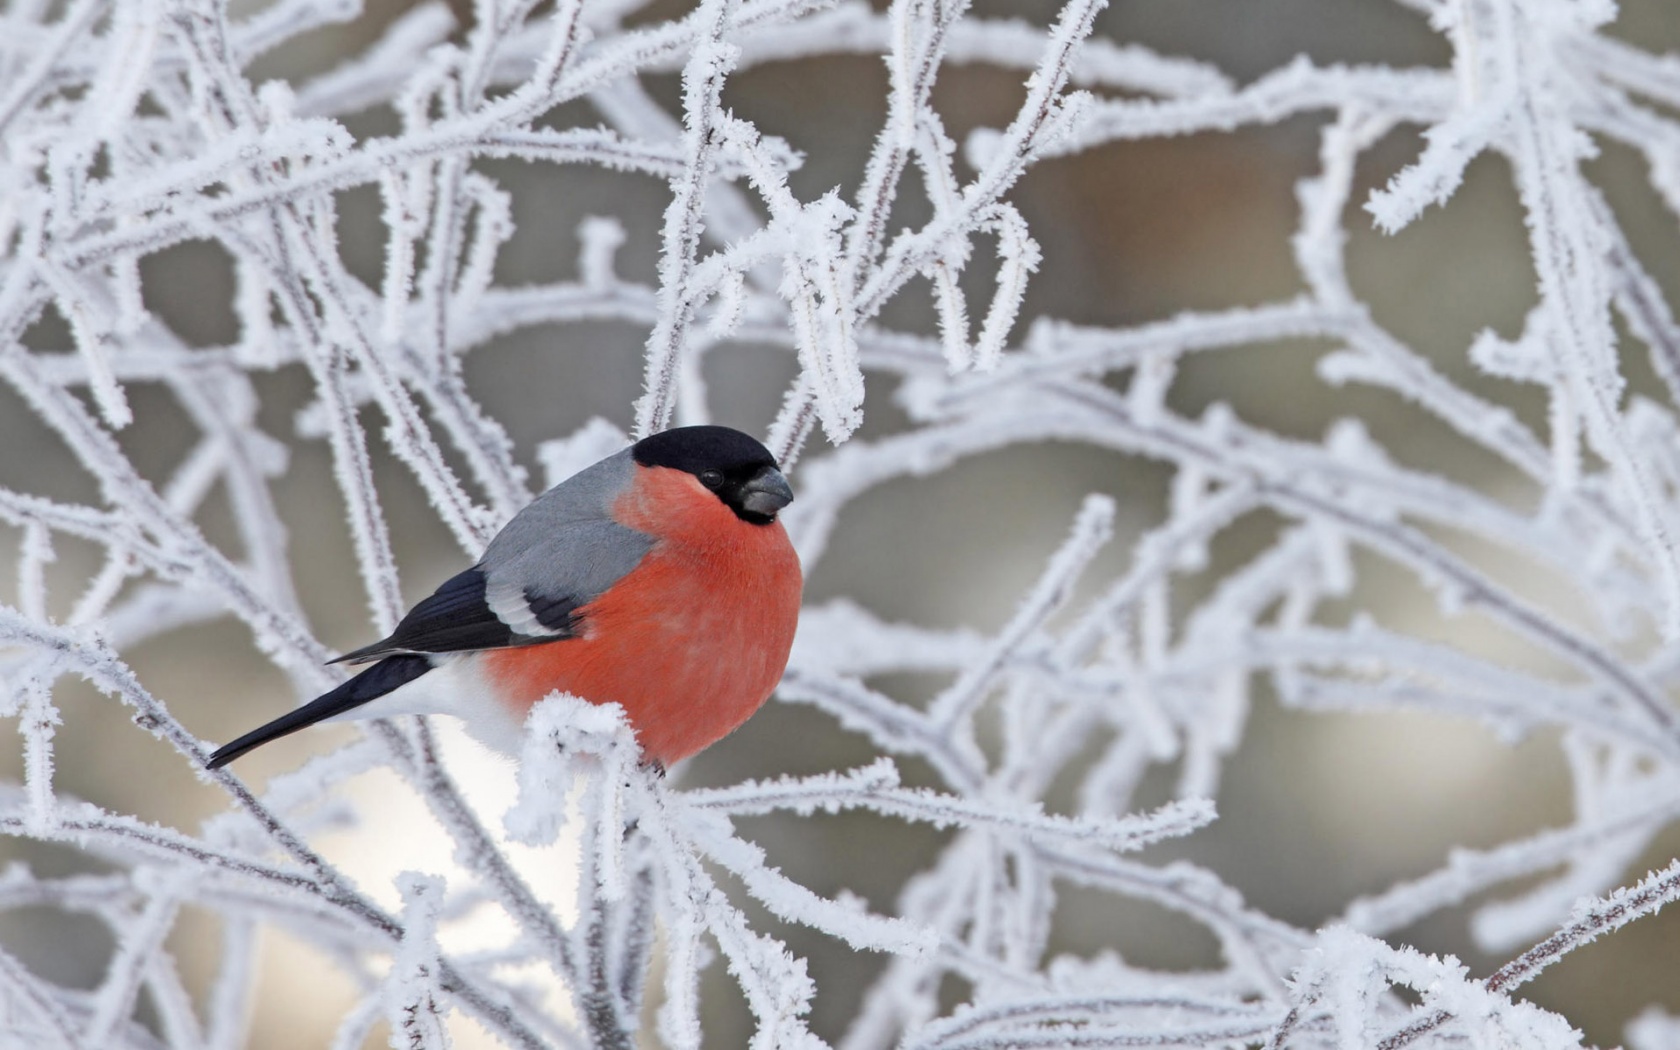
376, 681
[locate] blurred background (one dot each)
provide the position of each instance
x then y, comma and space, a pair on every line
1315, 809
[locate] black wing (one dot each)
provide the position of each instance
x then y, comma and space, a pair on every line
457, 618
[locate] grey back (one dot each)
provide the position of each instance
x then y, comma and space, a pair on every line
564, 545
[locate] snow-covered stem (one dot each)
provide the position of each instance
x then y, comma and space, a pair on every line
703, 78
1593, 918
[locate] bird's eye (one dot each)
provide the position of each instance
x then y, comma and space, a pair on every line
711, 478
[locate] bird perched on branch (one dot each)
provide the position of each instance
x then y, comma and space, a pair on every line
659, 578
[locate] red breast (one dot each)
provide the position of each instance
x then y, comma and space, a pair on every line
693, 640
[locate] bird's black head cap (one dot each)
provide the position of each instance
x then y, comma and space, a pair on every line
733, 465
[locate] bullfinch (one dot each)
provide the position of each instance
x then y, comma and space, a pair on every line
659, 579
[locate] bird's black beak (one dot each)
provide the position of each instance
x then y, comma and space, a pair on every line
766, 493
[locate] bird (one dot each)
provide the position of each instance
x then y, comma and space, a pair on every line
659, 579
